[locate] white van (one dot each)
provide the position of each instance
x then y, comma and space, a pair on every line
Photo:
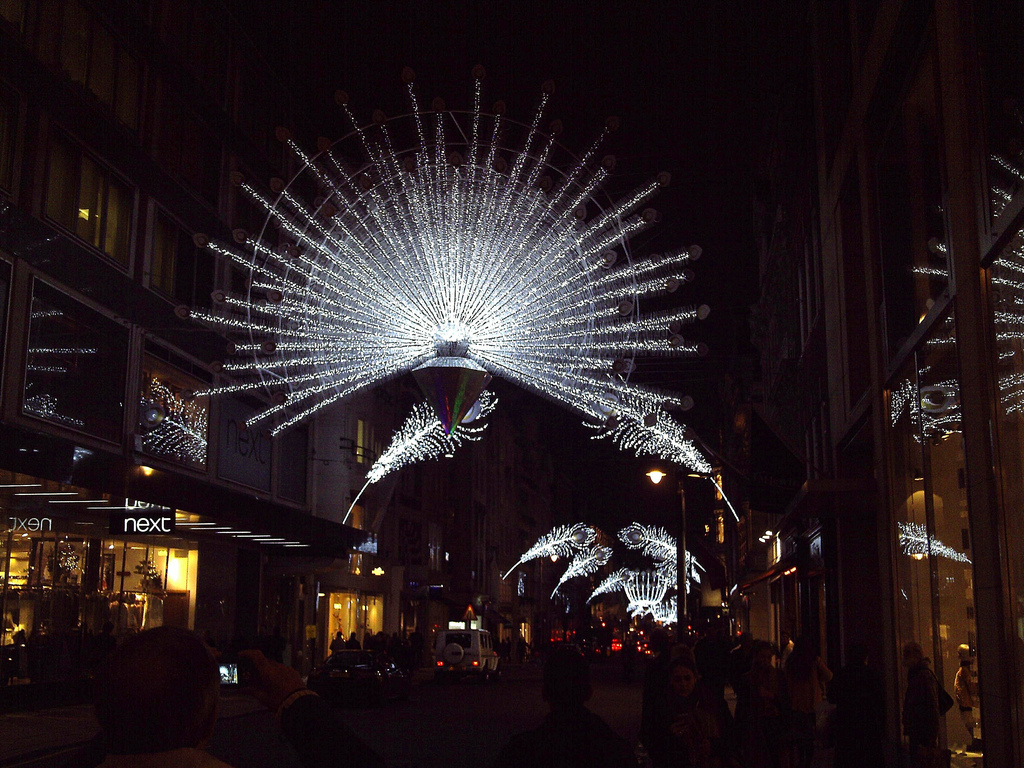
460, 652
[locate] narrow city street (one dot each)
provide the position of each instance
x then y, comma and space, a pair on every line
462, 723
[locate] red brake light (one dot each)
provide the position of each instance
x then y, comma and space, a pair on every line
476, 663
440, 663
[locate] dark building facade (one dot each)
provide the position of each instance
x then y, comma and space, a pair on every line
891, 211
124, 129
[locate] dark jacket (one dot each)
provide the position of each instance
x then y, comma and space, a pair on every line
568, 738
858, 723
921, 705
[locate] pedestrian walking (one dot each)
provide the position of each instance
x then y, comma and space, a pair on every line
763, 713
858, 722
571, 736
920, 708
691, 729
338, 643
806, 677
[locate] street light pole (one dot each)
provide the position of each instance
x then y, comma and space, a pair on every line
682, 564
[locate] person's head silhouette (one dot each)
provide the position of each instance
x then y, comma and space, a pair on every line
566, 679
158, 692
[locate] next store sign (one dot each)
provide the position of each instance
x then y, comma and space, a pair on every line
143, 521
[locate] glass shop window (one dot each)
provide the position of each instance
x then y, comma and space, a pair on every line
173, 423
90, 56
87, 199
934, 573
8, 132
75, 365
1006, 278
177, 267
912, 221
1001, 50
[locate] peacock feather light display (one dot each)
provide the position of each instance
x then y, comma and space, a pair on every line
457, 245
645, 590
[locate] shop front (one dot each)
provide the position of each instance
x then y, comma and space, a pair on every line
80, 570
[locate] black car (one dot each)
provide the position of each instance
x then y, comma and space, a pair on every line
352, 676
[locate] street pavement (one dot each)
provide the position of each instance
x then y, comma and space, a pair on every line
462, 723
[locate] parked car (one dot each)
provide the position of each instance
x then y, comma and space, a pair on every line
351, 676
466, 652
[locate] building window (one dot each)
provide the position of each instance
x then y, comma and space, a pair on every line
75, 365
177, 267
173, 424
8, 130
90, 56
912, 221
1007, 297
186, 149
87, 199
934, 589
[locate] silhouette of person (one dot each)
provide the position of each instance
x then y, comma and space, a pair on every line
806, 677
920, 705
156, 703
692, 728
858, 723
338, 643
353, 642
571, 736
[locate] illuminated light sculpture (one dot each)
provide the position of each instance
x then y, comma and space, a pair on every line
645, 590
918, 543
462, 249
422, 437
173, 426
584, 564
563, 541
582, 543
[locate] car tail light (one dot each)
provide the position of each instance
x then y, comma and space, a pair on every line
440, 663
476, 663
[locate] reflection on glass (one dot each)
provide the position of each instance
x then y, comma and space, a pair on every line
1006, 278
935, 597
173, 424
75, 365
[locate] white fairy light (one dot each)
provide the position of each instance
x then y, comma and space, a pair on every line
182, 429
915, 541
422, 437
563, 541
459, 242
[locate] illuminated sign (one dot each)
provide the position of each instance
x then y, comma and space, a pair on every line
148, 522
31, 523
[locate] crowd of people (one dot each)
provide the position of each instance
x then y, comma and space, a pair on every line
787, 702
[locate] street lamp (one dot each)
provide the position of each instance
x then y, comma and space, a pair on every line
682, 560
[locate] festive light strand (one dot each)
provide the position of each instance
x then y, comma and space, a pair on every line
469, 239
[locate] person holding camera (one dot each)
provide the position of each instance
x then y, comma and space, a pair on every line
156, 703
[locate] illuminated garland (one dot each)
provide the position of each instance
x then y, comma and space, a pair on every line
458, 245
916, 542
422, 437
181, 427
582, 544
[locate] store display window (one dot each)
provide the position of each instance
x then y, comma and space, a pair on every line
356, 612
1006, 279
934, 569
65, 582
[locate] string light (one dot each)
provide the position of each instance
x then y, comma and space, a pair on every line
915, 541
422, 437
460, 244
